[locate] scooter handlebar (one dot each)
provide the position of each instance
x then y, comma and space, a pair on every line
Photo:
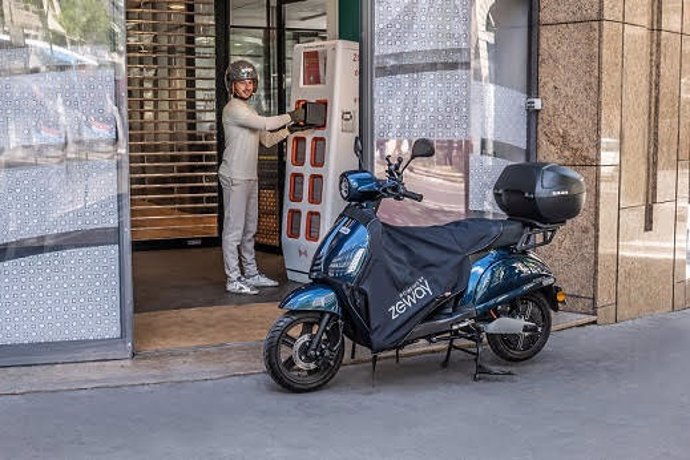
413, 196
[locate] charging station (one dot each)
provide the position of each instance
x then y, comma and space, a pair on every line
326, 73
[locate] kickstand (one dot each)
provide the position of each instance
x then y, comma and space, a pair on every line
397, 356
445, 362
352, 353
374, 359
480, 368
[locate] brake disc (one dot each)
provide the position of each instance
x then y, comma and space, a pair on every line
302, 344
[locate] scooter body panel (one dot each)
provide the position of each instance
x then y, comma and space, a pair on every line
342, 252
503, 275
312, 297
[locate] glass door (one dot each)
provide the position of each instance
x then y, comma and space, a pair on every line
264, 33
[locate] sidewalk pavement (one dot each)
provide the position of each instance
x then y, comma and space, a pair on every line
181, 365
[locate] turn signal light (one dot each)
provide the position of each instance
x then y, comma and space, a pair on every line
560, 296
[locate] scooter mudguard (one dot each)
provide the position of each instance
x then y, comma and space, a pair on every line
312, 297
501, 276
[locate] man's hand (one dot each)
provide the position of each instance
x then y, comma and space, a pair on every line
295, 128
297, 115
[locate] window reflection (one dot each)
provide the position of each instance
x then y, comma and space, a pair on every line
60, 81
455, 72
61, 142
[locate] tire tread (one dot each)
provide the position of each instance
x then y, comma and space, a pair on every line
273, 367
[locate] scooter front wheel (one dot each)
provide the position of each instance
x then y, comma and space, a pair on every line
533, 308
287, 351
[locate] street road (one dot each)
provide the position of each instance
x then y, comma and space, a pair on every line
444, 201
598, 392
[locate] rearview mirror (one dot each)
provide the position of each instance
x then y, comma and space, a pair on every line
358, 151
358, 146
423, 148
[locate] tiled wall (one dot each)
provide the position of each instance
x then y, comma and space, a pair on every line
59, 295
614, 76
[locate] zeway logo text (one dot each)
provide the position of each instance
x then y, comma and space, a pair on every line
410, 296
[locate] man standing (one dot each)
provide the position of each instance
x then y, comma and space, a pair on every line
238, 175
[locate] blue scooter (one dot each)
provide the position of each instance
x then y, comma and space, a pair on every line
386, 287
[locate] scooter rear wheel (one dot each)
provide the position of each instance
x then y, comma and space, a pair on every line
286, 346
520, 347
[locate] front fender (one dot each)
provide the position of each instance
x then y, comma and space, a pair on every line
312, 297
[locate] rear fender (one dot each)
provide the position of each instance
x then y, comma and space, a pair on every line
540, 284
313, 297
502, 276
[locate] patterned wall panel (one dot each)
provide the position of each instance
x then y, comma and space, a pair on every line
484, 171
422, 60
51, 199
50, 294
507, 121
434, 106
61, 296
421, 25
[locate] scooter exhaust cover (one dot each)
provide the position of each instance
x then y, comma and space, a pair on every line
509, 326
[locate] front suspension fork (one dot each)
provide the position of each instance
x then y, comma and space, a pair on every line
316, 342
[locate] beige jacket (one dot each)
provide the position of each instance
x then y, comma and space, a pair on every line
244, 129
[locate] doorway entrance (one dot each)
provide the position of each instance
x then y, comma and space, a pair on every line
175, 63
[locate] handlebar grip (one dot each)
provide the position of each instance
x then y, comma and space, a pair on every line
413, 196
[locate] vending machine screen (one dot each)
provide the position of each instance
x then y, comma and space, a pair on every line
314, 68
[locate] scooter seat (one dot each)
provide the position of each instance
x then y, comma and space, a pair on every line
508, 232
511, 234
504, 233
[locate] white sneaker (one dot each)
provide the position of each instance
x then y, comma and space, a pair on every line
240, 286
260, 280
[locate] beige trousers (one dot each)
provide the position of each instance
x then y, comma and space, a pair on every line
241, 205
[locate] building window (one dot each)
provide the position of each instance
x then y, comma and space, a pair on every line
455, 72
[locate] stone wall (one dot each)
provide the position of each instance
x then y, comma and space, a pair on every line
614, 76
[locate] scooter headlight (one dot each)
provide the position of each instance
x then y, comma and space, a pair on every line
358, 186
344, 187
347, 264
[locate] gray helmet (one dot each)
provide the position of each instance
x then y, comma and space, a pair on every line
240, 70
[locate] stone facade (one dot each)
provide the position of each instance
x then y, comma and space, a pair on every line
614, 76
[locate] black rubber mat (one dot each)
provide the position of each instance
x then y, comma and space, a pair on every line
186, 278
